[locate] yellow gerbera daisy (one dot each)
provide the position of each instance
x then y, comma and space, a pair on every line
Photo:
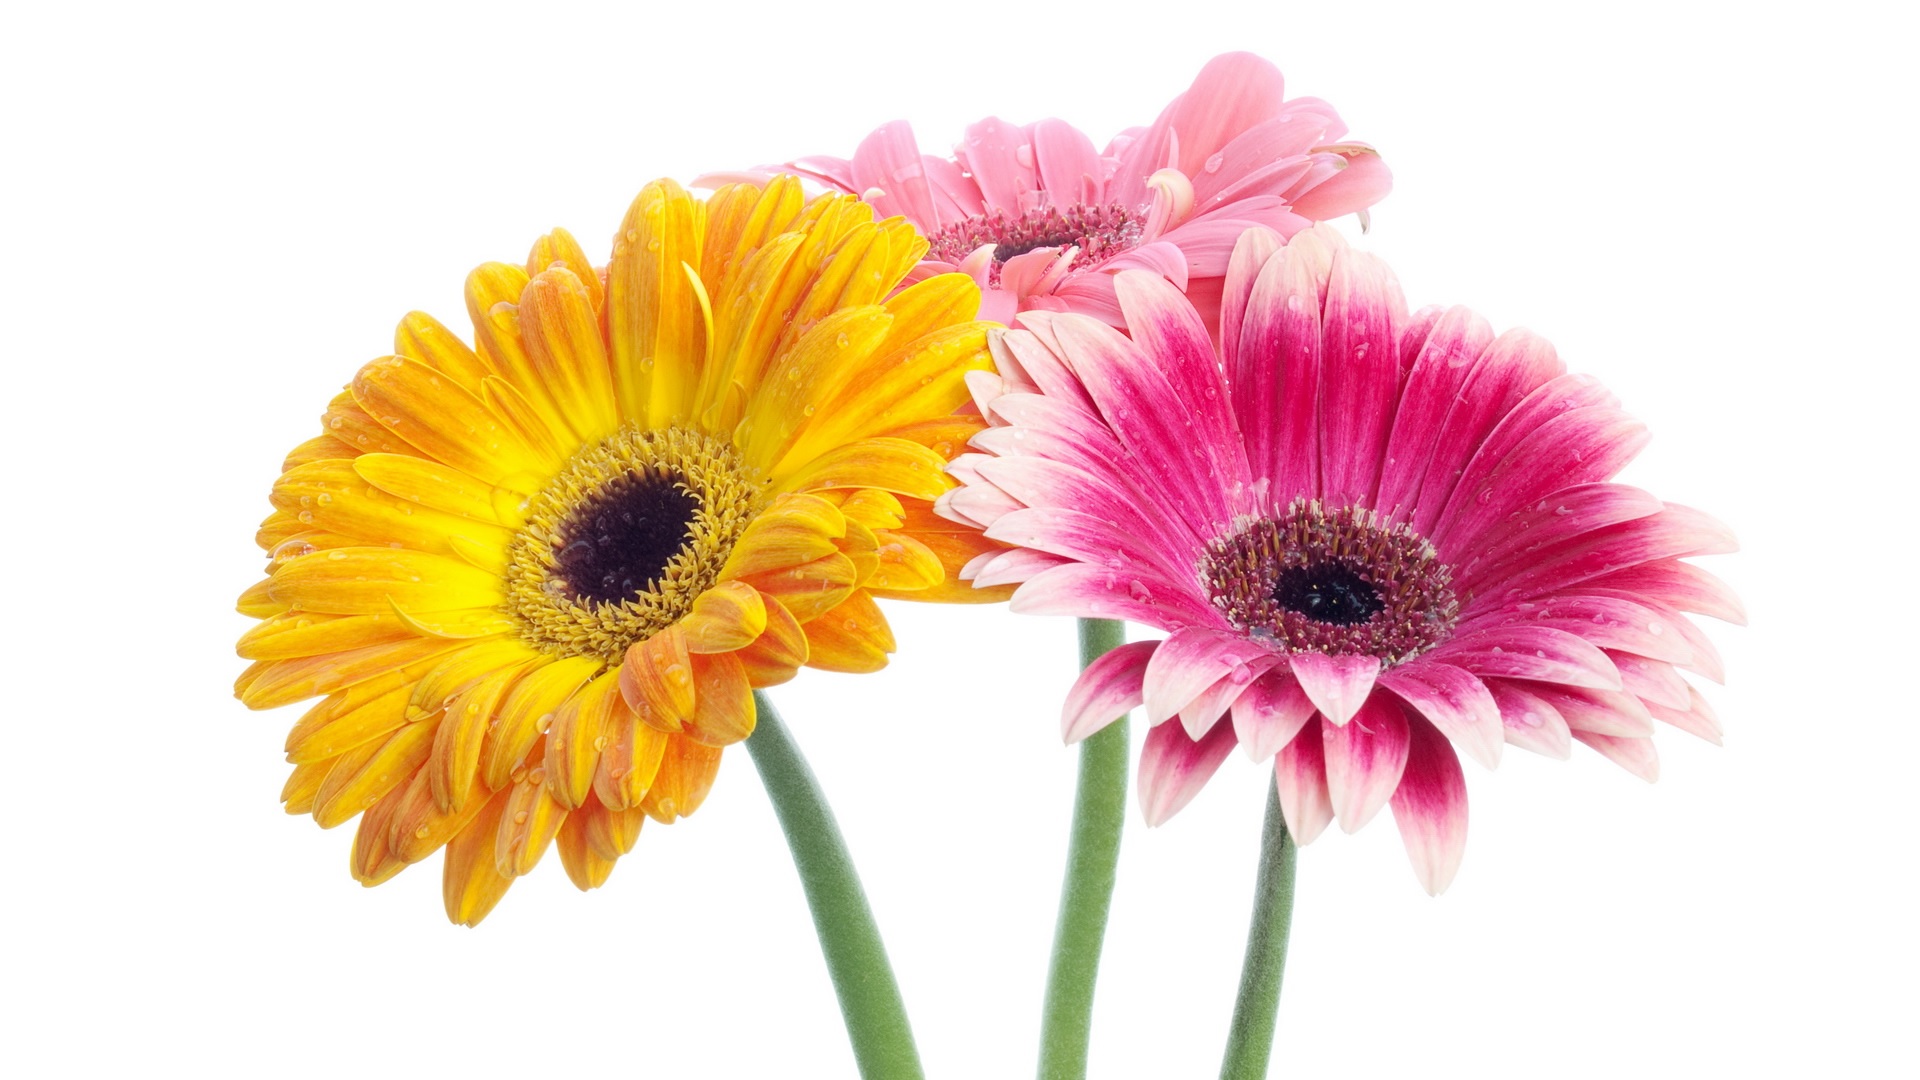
537, 578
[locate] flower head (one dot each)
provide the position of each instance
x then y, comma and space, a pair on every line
1043, 221
1373, 539
536, 579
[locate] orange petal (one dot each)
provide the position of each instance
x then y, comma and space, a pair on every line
906, 564
657, 680
422, 337
271, 683
455, 764
528, 823
345, 729
794, 529
562, 334
559, 249
723, 699
851, 637
441, 419
587, 868
631, 759
895, 465
360, 777
811, 588
777, 654
686, 775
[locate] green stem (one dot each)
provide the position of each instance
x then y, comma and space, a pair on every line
1099, 810
870, 1002
1250, 1043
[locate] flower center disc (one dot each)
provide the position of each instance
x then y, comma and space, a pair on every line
618, 546
1332, 581
1100, 232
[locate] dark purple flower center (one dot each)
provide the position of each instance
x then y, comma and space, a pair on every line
1332, 581
617, 543
1100, 232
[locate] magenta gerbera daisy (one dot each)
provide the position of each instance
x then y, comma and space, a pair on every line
1372, 539
1043, 220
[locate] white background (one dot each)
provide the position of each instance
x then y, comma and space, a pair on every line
213, 216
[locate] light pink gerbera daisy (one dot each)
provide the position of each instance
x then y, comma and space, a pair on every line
1043, 221
1372, 539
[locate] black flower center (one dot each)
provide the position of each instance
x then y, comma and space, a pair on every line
618, 544
1328, 592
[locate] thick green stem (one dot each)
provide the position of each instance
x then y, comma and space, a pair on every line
870, 1001
1250, 1043
1099, 810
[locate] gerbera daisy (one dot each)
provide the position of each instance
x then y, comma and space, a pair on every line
537, 578
1372, 539
1041, 220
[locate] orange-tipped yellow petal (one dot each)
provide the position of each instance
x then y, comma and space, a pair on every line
726, 617
723, 701
580, 731
852, 637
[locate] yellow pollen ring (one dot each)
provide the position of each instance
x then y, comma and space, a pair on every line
727, 495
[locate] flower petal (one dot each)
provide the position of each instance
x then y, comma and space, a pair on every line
1365, 758
1173, 768
1337, 685
1108, 689
1430, 806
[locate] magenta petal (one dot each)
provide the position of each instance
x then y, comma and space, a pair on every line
1637, 756
1337, 685
1300, 774
1531, 723
1250, 252
1364, 760
1359, 380
1192, 660
1165, 325
1095, 592
1652, 681
1601, 712
1430, 806
1455, 702
1270, 713
1679, 585
1173, 768
1516, 364
1199, 715
1581, 447
1105, 691
1008, 567
1440, 369
1523, 651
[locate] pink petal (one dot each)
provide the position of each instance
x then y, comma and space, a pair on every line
1531, 723
991, 152
1106, 690
1265, 159
1192, 660
1090, 537
1173, 768
955, 194
1363, 181
1008, 567
1070, 169
1675, 532
1697, 719
1562, 515
1094, 592
1337, 685
1652, 681
889, 160
1454, 702
1359, 382
1199, 715
1637, 756
1364, 760
1430, 806
1231, 94
1599, 712
1300, 773
1605, 622
1270, 713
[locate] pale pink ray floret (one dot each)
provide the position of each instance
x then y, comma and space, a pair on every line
1375, 540
1043, 221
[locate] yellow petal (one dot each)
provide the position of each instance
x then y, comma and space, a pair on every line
585, 867
430, 484
421, 826
372, 580
258, 602
890, 388
906, 564
581, 731
724, 618
631, 759
656, 337
811, 588
558, 249
360, 777
790, 399
569, 359
303, 784
441, 419
469, 884
421, 337
349, 423
894, 465
301, 633
334, 497
318, 448
794, 529
350, 728
528, 823
527, 713
455, 765
283, 682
